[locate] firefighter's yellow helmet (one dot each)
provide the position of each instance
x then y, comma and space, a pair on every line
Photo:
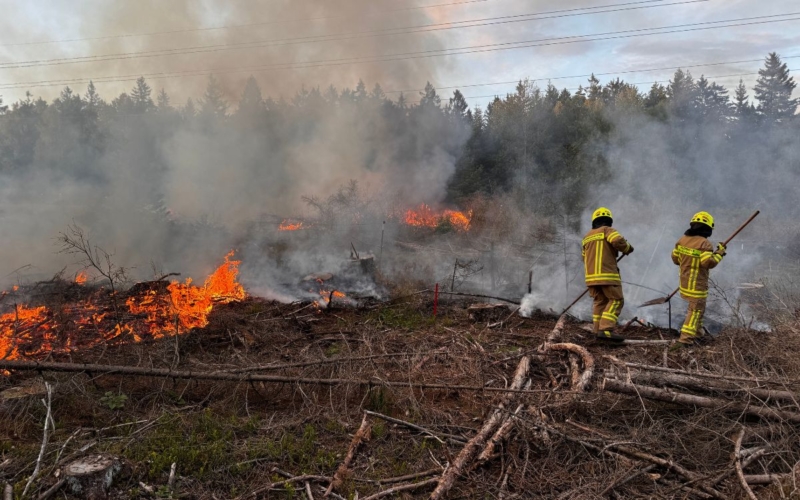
704, 218
602, 212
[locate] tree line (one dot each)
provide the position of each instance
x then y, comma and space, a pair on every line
553, 147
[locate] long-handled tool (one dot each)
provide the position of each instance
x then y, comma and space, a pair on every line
664, 300
581, 295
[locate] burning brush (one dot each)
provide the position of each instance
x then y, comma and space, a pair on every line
424, 216
152, 310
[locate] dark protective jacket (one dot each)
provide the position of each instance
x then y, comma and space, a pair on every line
695, 257
601, 247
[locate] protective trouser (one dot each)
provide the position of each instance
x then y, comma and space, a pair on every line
608, 302
693, 326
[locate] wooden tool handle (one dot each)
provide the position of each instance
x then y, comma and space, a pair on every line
748, 221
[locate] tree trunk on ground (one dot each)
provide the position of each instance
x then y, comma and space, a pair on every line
701, 401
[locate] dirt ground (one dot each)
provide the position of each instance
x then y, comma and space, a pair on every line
232, 439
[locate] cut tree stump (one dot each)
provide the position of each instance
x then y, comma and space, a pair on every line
91, 477
483, 313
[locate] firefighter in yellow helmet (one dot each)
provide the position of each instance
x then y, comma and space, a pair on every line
695, 256
601, 246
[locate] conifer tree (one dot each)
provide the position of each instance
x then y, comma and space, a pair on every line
252, 99
92, 97
774, 89
140, 96
458, 105
163, 100
741, 102
213, 103
428, 97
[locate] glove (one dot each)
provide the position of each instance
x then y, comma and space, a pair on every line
630, 250
721, 249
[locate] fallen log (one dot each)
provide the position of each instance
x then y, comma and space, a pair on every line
655, 368
637, 342
737, 451
661, 379
757, 479
490, 426
670, 396
477, 295
232, 377
314, 363
362, 435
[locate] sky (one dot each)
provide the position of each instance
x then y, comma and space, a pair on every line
41, 39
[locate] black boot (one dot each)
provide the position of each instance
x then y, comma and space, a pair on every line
609, 336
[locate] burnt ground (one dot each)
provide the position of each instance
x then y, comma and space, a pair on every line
231, 439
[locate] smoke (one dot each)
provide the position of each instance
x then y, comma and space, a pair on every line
158, 191
664, 171
157, 38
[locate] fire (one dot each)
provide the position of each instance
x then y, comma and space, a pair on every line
187, 305
424, 216
290, 225
164, 310
17, 325
81, 278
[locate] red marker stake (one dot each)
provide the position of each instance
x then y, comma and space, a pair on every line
435, 299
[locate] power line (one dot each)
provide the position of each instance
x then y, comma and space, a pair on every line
238, 26
611, 73
206, 72
427, 28
443, 52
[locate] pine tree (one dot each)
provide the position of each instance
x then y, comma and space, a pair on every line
163, 100
401, 101
140, 95
189, 110
252, 99
377, 93
683, 95
428, 97
742, 106
656, 96
332, 95
360, 93
774, 89
3, 108
458, 105
713, 102
595, 89
213, 103
92, 97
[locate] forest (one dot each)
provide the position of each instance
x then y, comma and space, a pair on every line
555, 146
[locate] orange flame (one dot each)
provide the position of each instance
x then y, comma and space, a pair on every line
17, 325
289, 225
36, 331
188, 306
424, 216
81, 278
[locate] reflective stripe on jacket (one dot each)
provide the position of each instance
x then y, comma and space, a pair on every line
695, 257
601, 247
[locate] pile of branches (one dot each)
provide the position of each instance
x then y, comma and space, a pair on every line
559, 416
